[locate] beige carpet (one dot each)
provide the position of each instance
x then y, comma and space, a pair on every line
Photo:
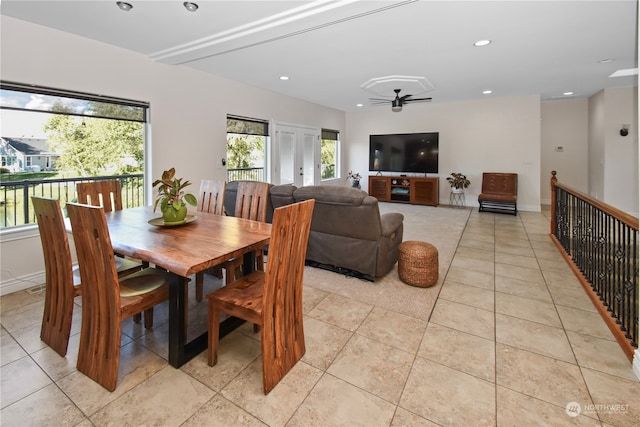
440, 226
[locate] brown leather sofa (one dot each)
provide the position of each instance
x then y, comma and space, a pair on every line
348, 234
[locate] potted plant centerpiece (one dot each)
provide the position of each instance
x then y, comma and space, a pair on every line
172, 197
458, 182
355, 179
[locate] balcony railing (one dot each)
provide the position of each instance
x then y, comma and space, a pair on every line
600, 243
15, 203
246, 174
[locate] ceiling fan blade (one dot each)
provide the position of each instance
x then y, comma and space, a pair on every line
403, 98
379, 102
380, 99
418, 100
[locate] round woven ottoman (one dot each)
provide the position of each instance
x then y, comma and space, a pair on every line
418, 263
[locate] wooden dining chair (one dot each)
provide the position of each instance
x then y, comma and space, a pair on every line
62, 285
210, 200
107, 194
271, 299
106, 299
251, 203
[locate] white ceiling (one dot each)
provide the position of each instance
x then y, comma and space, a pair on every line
329, 48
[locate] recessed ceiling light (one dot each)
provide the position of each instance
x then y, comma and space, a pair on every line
284, 77
481, 43
123, 5
359, 105
487, 92
606, 61
190, 6
568, 93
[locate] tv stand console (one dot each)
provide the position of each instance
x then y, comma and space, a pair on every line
405, 189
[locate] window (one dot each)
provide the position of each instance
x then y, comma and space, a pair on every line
246, 144
54, 138
329, 149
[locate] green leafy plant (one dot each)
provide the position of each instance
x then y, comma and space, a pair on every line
171, 192
458, 180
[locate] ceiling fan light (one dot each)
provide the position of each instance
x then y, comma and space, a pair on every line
396, 108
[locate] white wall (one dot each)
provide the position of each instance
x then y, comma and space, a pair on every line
564, 124
188, 112
493, 135
621, 152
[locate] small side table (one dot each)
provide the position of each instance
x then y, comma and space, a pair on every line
456, 200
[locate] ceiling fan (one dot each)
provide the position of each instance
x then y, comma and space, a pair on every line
398, 101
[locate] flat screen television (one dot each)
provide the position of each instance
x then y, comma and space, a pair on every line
405, 152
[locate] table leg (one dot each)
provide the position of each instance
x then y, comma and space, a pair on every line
181, 351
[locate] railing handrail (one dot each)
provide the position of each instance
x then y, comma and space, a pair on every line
624, 217
21, 182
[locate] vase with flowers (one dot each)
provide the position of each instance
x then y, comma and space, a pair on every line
355, 179
172, 197
458, 182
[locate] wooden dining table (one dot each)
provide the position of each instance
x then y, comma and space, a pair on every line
204, 241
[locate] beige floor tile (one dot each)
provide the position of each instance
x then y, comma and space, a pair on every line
472, 264
517, 272
19, 299
10, 350
449, 397
514, 250
19, 379
22, 316
341, 311
323, 342
584, 322
617, 399
469, 295
311, 297
535, 337
516, 259
517, 409
221, 412
476, 244
153, 403
442, 345
481, 254
46, 407
549, 254
136, 365
543, 244
236, 351
572, 296
511, 233
55, 365
564, 279
334, 402
395, 329
555, 265
464, 318
274, 409
523, 288
601, 355
473, 278
404, 418
480, 236
544, 378
511, 241
528, 309
373, 366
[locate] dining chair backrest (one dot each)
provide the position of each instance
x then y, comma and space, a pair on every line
252, 200
212, 196
60, 290
283, 334
107, 194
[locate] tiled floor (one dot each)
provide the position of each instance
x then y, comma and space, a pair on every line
512, 341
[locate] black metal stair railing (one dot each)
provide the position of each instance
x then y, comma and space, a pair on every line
601, 244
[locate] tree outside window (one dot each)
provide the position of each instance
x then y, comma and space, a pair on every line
329, 154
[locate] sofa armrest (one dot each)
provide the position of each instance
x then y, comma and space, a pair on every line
390, 222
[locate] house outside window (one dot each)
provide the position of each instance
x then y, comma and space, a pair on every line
329, 154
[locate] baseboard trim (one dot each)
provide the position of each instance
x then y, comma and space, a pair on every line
636, 363
21, 283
